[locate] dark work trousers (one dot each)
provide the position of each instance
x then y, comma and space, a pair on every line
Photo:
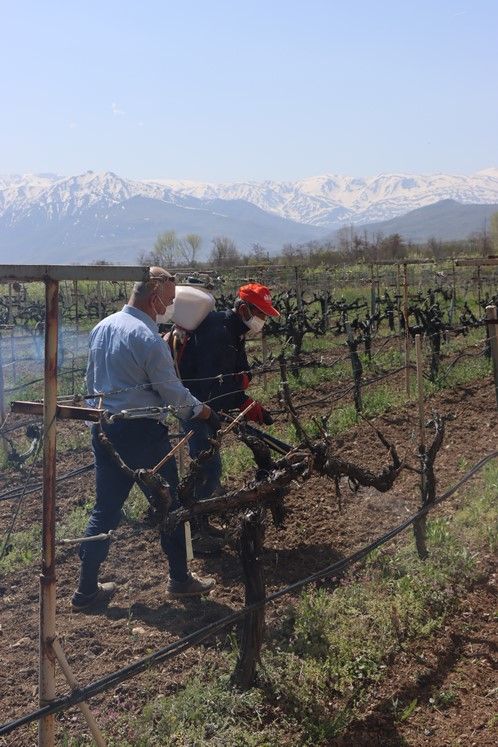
209, 478
140, 443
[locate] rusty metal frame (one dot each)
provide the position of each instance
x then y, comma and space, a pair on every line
33, 273
62, 412
50, 275
477, 262
401, 261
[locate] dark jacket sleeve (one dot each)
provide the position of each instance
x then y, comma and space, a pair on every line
213, 356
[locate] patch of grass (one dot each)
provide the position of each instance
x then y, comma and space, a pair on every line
210, 713
321, 343
135, 506
74, 438
74, 523
378, 400
477, 520
341, 419
408, 710
23, 549
330, 648
442, 699
235, 460
385, 359
468, 369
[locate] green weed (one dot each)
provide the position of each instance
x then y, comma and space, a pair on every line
74, 523
442, 699
135, 506
21, 551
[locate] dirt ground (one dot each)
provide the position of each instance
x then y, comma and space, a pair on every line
317, 533
460, 659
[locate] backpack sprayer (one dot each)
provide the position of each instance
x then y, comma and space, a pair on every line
191, 306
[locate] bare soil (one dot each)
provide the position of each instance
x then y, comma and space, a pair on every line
317, 533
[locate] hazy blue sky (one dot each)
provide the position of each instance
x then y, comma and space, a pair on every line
224, 90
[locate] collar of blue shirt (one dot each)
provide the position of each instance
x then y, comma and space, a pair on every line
142, 316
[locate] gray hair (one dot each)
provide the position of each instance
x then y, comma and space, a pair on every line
145, 288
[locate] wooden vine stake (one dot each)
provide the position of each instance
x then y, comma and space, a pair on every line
251, 552
356, 367
264, 357
373, 298
491, 318
420, 392
419, 526
407, 331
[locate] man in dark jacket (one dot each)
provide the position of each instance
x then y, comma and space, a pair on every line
212, 362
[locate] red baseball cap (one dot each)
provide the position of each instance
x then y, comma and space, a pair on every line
259, 296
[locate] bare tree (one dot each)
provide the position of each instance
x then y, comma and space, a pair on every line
224, 252
164, 253
494, 231
292, 254
344, 239
188, 248
166, 247
259, 254
392, 247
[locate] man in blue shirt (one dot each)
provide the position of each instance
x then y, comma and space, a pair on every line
129, 366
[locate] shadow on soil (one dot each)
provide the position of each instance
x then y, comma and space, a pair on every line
380, 728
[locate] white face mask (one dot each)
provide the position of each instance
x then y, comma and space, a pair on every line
255, 324
167, 316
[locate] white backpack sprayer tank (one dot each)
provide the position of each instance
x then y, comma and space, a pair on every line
191, 306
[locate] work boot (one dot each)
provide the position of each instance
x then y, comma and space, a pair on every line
81, 602
193, 586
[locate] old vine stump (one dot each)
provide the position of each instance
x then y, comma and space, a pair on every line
251, 550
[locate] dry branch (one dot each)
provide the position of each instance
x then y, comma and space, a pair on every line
268, 489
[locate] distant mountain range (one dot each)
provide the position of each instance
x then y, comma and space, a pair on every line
329, 200
48, 218
447, 220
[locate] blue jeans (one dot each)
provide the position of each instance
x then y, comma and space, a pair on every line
209, 478
140, 443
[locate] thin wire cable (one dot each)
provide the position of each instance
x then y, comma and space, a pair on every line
33, 488
19, 504
177, 647
17, 426
255, 371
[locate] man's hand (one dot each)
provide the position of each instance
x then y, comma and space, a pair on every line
214, 421
210, 417
257, 413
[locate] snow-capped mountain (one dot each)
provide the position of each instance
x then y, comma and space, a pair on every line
326, 201
104, 216
330, 199
70, 196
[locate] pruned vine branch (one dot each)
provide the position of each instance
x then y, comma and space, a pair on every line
274, 478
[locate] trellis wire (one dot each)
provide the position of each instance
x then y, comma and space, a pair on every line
178, 647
